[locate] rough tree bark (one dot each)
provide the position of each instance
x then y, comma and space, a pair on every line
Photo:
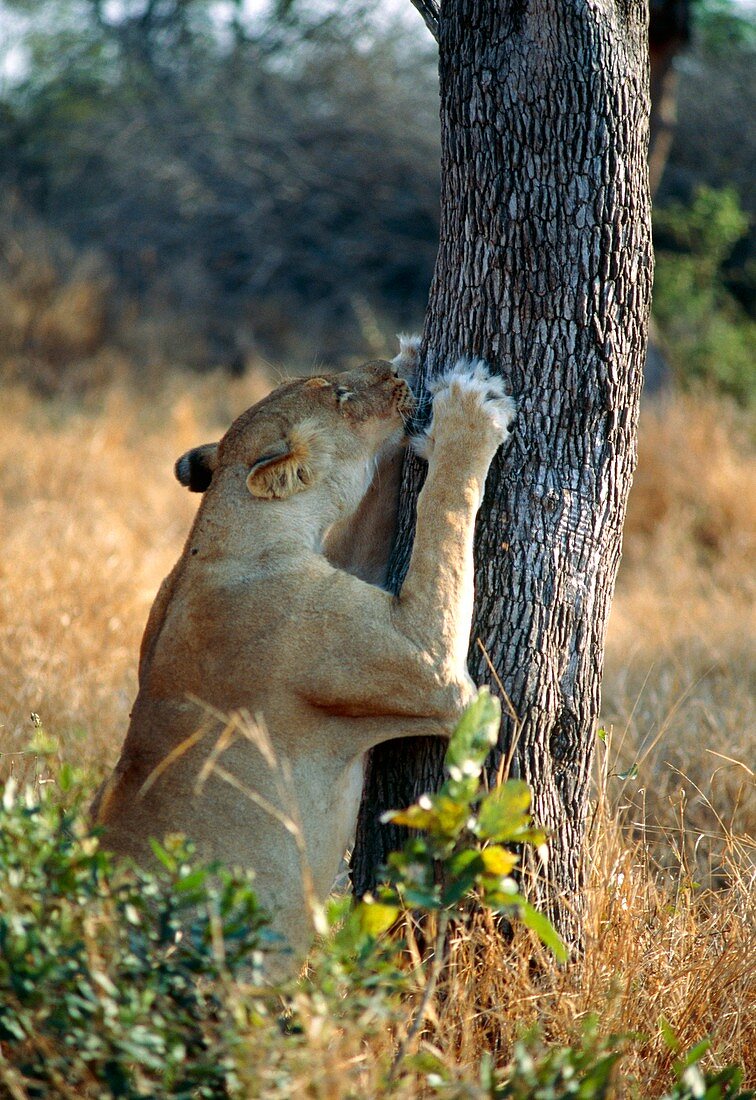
544, 269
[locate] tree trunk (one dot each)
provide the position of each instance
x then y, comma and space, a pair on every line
544, 269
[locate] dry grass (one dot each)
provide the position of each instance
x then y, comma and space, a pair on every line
653, 949
679, 684
650, 953
92, 520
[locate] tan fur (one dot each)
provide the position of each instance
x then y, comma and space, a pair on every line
255, 618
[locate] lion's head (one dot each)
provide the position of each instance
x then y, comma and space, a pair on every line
323, 431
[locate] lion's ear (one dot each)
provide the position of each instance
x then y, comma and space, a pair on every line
282, 470
195, 468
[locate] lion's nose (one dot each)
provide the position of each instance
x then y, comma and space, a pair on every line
405, 399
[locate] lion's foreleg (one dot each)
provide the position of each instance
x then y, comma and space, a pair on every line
471, 418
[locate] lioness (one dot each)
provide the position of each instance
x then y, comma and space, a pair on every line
255, 617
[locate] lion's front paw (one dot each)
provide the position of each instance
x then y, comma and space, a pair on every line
407, 362
468, 402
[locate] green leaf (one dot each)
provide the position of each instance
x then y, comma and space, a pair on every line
194, 880
66, 777
696, 1054
475, 735
462, 871
544, 929
414, 817
530, 836
451, 816
415, 857
599, 1076
338, 909
43, 742
462, 863
438, 814
503, 813
670, 1039
463, 790
422, 897
166, 858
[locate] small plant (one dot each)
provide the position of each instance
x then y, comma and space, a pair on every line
461, 852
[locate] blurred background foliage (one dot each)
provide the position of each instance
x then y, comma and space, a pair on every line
214, 183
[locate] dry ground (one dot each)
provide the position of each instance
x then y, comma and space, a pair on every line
92, 519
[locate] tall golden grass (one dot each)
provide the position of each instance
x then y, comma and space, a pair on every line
92, 519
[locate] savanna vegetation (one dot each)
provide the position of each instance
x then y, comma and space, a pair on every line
124, 259
92, 520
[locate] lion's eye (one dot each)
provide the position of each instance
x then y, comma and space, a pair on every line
343, 393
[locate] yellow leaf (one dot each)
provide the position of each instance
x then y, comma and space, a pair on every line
497, 860
375, 917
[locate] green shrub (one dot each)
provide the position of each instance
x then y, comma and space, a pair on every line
123, 982
590, 1069
111, 981
537, 1072
708, 337
691, 1081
